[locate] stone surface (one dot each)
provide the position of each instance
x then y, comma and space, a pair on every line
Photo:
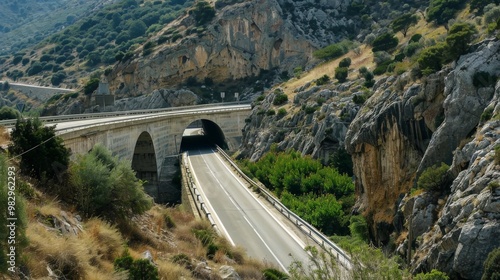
228, 272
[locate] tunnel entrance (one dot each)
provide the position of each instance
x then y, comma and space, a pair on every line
144, 164
202, 134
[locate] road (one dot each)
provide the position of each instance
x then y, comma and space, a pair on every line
242, 218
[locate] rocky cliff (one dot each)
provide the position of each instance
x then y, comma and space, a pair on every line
405, 127
401, 131
241, 41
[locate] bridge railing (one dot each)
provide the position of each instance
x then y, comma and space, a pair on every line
74, 117
305, 227
195, 193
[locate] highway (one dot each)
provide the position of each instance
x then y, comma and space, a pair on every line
242, 218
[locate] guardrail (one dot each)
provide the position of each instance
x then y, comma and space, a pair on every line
66, 118
200, 204
305, 227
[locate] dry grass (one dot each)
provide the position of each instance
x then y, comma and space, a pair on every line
169, 270
4, 136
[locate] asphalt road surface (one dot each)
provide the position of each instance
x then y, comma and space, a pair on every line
242, 218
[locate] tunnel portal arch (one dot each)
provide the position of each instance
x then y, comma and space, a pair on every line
144, 163
211, 134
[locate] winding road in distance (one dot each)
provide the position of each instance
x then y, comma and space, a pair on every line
240, 216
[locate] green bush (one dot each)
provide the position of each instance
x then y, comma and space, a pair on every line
271, 112
280, 99
345, 62
341, 74
323, 80
458, 39
281, 112
415, 38
492, 266
203, 12
431, 59
333, 51
433, 178
433, 275
8, 113
274, 274
487, 114
32, 133
359, 99
441, 11
104, 186
384, 42
143, 269
91, 86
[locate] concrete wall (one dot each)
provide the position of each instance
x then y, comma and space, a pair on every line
165, 131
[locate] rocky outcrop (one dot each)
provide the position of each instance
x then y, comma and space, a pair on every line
243, 39
404, 129
161, 98
464, 102
467, 229
314, 123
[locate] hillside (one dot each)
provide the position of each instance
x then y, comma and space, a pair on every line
408, 95
24, 23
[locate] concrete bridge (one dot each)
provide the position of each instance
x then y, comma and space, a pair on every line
152, 142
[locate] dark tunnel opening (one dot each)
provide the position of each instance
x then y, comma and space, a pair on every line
202, 134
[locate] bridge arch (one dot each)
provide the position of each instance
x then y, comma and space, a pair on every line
211, 133
144, 162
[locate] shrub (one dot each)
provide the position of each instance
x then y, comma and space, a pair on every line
310, 110
459, 38
384, 42
492, 266
341, 74
31, 133
433, 275
57, 78
143, 269
433, 178
431, 59
35, 68
487, 115
8, 113
411, 48
415, 38
333, 51
281, 112
104, 186
322, 80
345, 62
280, 99
274, 274
441, 11
203, 12
359, 99
297, 71
271, 112
91, 86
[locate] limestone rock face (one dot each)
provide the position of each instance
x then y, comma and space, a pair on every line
242, 40
464, 102
161, 98
318, 132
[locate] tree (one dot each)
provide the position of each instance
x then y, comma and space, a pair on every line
492, 266
431, 59
404, 22
459, 38
384, 42
91, 86
57, 78
8, 113
346, 62
32, 142
137, 28
441, 11
341, 74
203, 12
433, 275
433, 178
